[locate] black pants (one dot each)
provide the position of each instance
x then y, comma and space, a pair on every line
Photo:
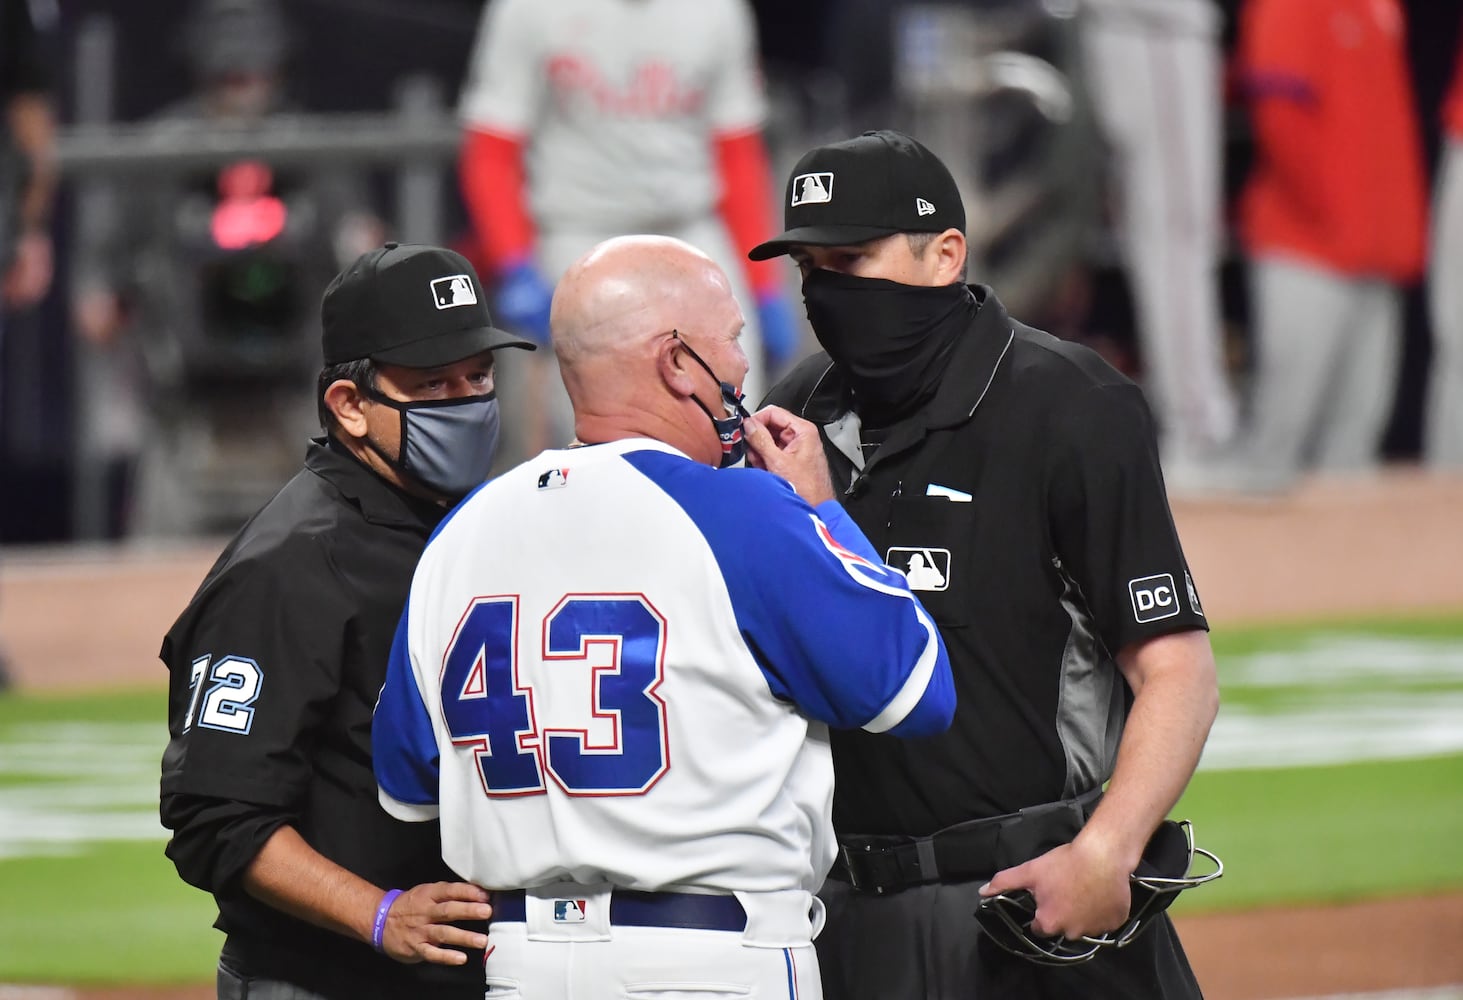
923, 944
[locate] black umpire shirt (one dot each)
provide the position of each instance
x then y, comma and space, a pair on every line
275, 667
1026, 505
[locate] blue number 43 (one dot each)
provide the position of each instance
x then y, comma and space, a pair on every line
488, 698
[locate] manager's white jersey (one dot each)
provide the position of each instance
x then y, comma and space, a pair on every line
618, 103
618, 665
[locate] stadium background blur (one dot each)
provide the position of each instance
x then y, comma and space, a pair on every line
351, 56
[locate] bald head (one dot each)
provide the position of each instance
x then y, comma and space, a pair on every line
612, 316
626, 292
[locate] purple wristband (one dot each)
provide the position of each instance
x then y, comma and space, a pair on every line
378, 930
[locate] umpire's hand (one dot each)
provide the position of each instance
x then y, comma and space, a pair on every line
419, 925
1080, 888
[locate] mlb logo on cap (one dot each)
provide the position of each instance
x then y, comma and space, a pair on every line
454, 290
569, 911
887, 183
377, 308
812, 189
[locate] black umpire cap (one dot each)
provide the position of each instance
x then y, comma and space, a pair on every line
860, 189
409, 304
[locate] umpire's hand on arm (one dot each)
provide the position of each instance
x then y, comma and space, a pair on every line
790, 447
419, 925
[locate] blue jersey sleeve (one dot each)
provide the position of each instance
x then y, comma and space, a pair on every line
403, 744
834, 629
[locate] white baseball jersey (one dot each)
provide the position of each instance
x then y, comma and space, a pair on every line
617, 665
618, 101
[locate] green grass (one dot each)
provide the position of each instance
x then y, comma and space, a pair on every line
1327, 834
114, 914
130, 704
106, 911
1251, 639
114, 911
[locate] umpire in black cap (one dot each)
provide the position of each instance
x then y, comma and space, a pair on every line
276, 663
1014, 477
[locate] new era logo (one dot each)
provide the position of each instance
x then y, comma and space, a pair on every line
925, 569
569, 911
923, 207
454, 290
1153, 597
812, 189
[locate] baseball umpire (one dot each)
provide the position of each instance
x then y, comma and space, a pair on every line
1022, 470
277, 662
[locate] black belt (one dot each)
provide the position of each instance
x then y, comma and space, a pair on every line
960, 853
628, 908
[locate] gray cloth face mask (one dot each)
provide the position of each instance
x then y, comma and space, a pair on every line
447, 445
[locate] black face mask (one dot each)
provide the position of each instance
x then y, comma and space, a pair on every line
890, 339
447, 445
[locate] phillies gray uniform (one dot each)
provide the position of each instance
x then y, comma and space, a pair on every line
617, 102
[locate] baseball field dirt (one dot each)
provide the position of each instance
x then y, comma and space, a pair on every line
1383, 545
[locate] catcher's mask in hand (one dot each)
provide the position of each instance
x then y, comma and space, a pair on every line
1162, 874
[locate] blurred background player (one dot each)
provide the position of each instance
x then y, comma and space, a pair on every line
1153, 70
1046, 113
1442, 437
199, 290
590, 118
1332, 221
996, 86
27, 175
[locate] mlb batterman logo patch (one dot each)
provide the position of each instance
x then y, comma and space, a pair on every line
812, 189
569, 911
924, 568
1153, 597
553, 479
453, 290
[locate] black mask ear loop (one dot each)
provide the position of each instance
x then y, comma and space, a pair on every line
730, 398
729, 426
375, 395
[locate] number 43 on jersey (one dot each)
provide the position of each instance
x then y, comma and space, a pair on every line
487, 704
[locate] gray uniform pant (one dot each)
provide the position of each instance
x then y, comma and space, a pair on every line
235, 986
1156, 89
1443, 431
1329, 347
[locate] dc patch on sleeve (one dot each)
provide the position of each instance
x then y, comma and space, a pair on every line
1153, 597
